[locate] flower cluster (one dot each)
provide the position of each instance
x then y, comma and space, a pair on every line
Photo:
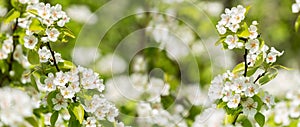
236, 90
155, 114
15, 105
71, 82
46, 56
47, 15
296, 7
100, 109
242, 36
231, 19
7, 47
287, 110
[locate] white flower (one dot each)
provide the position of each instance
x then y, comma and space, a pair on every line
7, 46
271, 57
252, 45
24, 22
221, 29
18, 53
233, 27
61, 79
23, 1
44, 10
296, 7
112, 113
234, 101
74, 86
3, 55
44, 54
59, 102
30, 41
90, 122
67, 92
227, 94
232, 42
15, 105
249, 107
215, 92
49, 82
65, 19
56, 12
251, 58
268, 99
52, 34
251, 89
239, 85
253, 32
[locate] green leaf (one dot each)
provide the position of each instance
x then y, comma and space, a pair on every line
11, 15
66, 31
33, 11
281, 66
260, 119
244, 120
78, 112
247, 9
297, 24
50, 96
221, 40
268, 77
239, 67
3, 66
222, 104
251, 71
32, 121
36, 25
73, 122
167, 101
33, 82
33, 57
53, 118
67, 65
259, 60
14, 3
259, 102
245, 33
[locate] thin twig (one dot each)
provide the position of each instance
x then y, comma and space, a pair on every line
53, 56
246, 64
259, 76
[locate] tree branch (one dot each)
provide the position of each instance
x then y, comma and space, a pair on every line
53, 56
259, 76
246, 64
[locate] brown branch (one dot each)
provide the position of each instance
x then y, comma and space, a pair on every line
246, 64
53, 56
259, 76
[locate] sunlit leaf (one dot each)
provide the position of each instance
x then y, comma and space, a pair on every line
53, 118
36, 25
260, 119
11, 15
239, 67
297, 24
33, 57
78, 112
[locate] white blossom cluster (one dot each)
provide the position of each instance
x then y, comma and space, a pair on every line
100, 109
71, 82
231, 20
154, 114
46, 56
237, 90
288, 109
296, 7
15, 105
7, 47
48, 15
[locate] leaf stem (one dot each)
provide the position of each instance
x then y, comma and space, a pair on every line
53, 56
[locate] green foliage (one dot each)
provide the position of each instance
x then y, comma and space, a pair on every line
12, 15
53, 118
32, 121
36, 25
33, 57
297, 23
238, 68
260, 119
77, 111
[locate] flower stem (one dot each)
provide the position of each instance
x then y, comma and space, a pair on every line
53, 56
246, 64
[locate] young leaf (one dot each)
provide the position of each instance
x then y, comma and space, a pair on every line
259, 102
260, 119
244, 120
268, 77
51, 95
36, 25
33, 57
239, 67
33, 82
32, 121
297, 23
245, 33
251, 71
259, 60
53, 118
78, 111
221, 40
11, 15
